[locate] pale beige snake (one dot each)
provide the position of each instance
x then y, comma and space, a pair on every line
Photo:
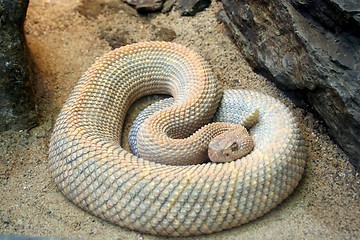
93, 171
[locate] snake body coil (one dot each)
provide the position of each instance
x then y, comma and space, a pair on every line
93, 171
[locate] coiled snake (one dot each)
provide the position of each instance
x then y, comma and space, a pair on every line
93, 171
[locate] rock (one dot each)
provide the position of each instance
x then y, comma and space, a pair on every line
168, 5
309, 49
16, 110
145, 6
186, 7
191, 7
149, 5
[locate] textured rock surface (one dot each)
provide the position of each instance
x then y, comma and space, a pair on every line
145, 6
16, 112
310, 48
185, 7
191, 7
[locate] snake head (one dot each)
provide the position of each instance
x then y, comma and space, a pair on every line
230, 145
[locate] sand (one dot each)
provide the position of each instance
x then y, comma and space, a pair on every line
65, 37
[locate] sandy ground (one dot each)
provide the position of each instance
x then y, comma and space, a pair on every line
65, 37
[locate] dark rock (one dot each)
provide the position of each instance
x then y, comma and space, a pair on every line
168, 5
16, 110
191, 7
310, 48
186, 7
149, 5
145, 6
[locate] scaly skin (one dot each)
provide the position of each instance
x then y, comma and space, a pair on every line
225, 147
93, 171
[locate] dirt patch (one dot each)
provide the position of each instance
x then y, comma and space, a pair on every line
65, 37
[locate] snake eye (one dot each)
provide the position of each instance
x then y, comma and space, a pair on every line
234, 147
